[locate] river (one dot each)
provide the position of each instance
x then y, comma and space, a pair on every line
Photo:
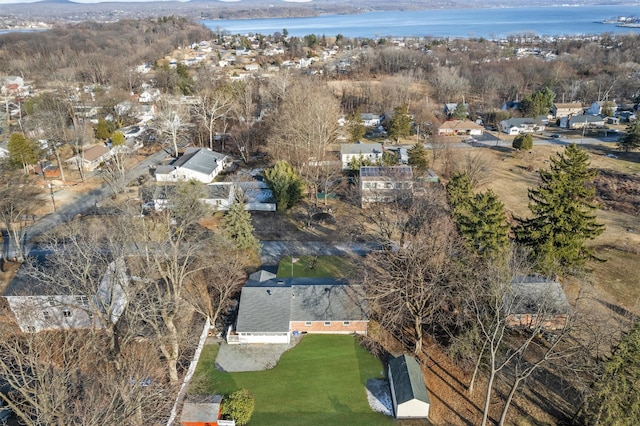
487, 23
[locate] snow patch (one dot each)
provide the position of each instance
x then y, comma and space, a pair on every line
379, 396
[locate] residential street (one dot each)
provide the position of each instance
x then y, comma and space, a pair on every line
83, 203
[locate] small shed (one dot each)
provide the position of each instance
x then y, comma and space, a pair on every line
408, 390
201, 410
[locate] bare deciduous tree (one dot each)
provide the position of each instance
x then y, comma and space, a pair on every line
415, 285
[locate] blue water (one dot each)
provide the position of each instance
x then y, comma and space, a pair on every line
487, 23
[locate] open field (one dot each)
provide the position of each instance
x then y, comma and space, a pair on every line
511, 174
319, 382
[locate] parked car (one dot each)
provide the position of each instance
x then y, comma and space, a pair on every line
555, 136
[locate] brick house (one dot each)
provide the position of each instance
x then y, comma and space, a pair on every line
272, 309
534, 302
460, 127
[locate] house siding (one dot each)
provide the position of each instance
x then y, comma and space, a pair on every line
552, 322
336, 327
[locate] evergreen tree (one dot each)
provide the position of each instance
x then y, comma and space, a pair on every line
537, 103
237, 226
23, 152
400, 126
483, 224
523, 142
616, 397
418, 158
459, 191
461, 112
355, 126
356, 162
118, 139
389, 159
286, 184
104, 129
631, 140
563, 213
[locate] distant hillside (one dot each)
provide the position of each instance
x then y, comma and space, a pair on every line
65, 10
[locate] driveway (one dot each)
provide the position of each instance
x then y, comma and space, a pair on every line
254, 357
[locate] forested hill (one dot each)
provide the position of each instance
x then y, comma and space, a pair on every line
57, 10
94, 52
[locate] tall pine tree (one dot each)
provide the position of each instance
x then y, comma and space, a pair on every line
237, 226
616, 396
631, 140
564, 215
483, 224
459, 191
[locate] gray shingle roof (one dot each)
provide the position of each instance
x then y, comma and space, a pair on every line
327, 303
199, 160
360, 148
269, 305
408, 382
532, 295
264, 309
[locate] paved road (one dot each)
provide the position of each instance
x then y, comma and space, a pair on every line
273, 251
83, 203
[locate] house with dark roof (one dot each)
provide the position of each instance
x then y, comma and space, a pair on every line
584, 121
272, 309
408, 390
200, 164
535, 302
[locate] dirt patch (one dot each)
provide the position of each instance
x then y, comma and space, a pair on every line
619, 191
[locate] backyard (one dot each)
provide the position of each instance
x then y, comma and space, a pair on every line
321, 381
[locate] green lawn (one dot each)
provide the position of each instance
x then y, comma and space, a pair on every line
321, 381
325, 267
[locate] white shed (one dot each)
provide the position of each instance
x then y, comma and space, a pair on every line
408, 391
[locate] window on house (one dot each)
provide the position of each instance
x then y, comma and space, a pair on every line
327, 323
346, 323
82, 300
66, 313
46, 315
52, 301
307, 323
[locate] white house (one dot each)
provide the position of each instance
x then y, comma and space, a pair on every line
368, 151
200, 164
516, 126
408, 390
39, 304
370, 120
